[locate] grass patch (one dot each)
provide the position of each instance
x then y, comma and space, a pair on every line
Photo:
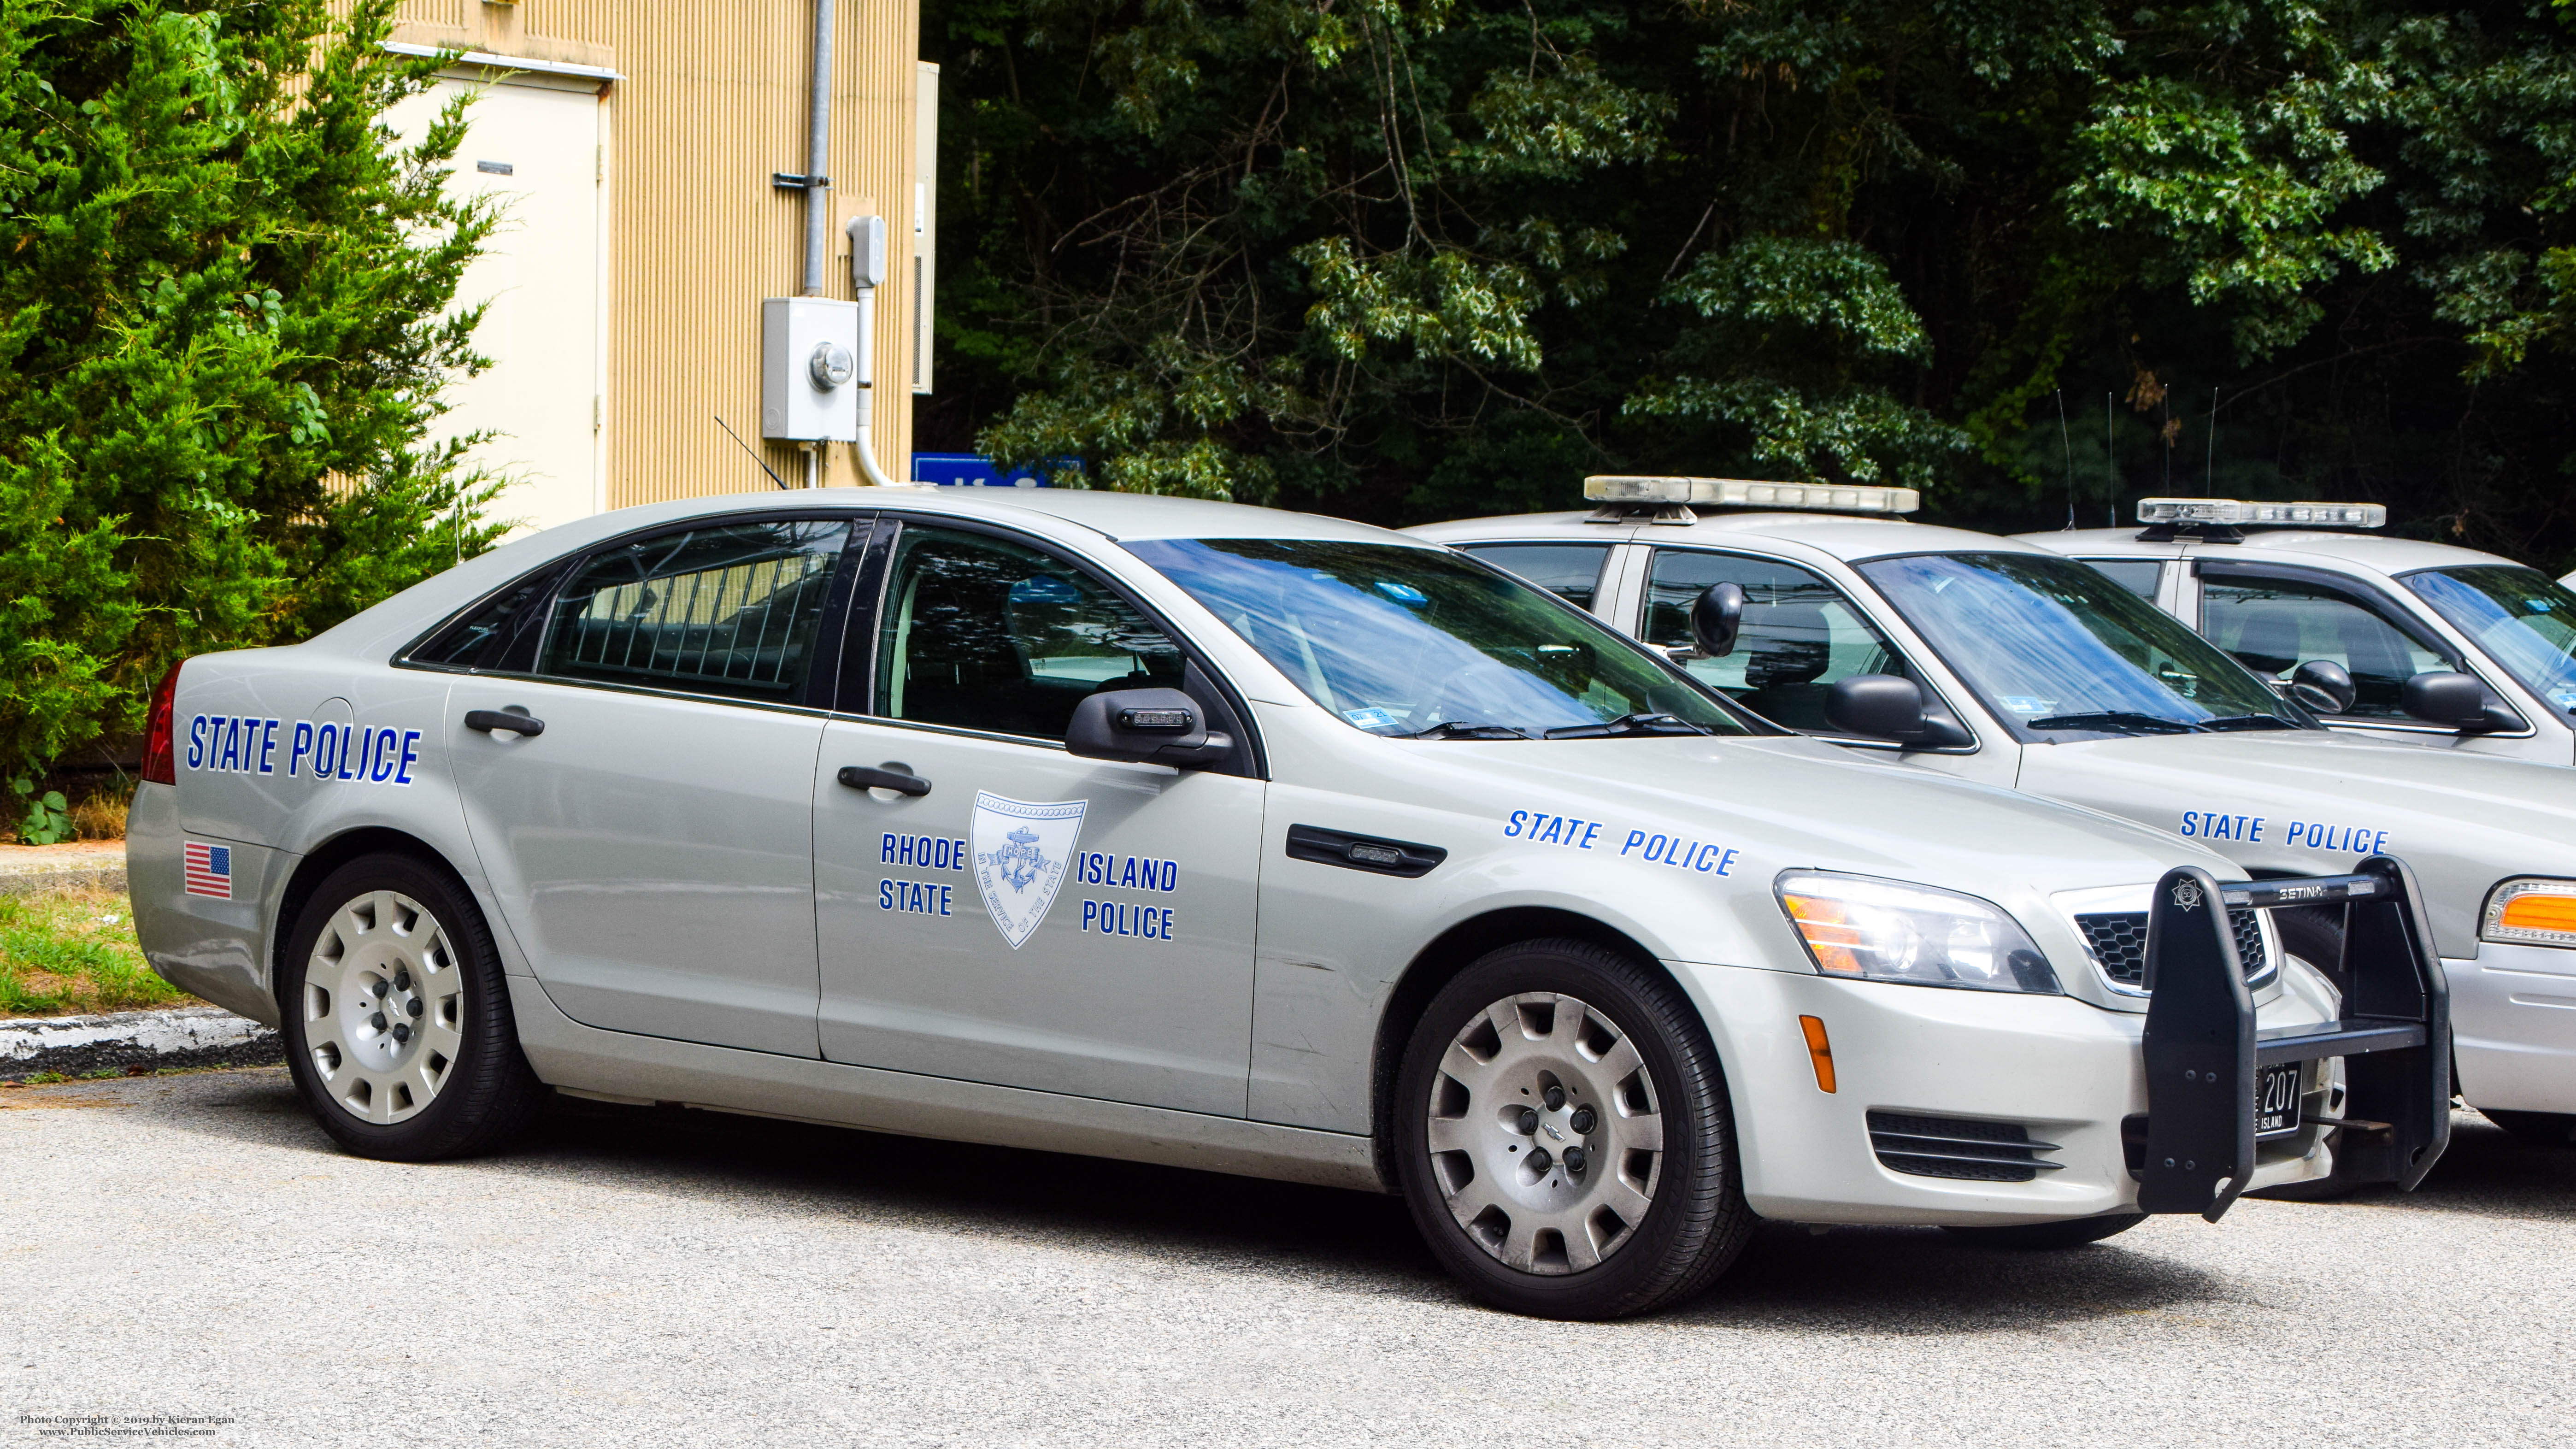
69, 951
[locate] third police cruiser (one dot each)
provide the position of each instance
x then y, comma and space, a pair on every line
2436, 645
1823, 608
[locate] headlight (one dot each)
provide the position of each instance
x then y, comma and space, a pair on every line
2531, 913
1884, 930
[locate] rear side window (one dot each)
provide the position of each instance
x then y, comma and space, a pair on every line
501, 633
1571, 571
734, 610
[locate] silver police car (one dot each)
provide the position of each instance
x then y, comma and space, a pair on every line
1232, 839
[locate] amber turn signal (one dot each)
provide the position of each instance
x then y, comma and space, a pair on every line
1819, 1050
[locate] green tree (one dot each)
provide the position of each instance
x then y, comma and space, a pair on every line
225, 317
1420, 257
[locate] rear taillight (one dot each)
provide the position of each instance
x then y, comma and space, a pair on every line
160, 759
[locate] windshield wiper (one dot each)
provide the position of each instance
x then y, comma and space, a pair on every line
1627, 724
2248, 722
1459, 729
2115, 721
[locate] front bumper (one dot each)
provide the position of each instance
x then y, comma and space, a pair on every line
2513, 1010
2062, 1071
2070, 1079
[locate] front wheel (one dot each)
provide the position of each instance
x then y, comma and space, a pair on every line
1562, 1135
397, 1024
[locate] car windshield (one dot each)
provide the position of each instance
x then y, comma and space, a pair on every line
1423, 642
2055, 646
2522, 618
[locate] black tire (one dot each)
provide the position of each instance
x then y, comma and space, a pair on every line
2316, 937
2541, 1129
2072, 1233
486, 1093
1695, 1221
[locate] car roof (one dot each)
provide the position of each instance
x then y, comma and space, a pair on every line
1841, 536
2354, 552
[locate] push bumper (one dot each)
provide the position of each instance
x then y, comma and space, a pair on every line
2205, 1053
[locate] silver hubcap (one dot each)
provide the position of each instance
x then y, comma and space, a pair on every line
384, 1007
1546, 1139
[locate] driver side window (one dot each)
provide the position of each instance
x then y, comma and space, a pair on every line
1800, 636
983, 633
2273, 626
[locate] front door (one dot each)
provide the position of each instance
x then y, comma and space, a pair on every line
650, 847
1034, 919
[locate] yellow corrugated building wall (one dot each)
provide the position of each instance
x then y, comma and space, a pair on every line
706, 102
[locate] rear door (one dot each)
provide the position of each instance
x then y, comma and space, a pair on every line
1034, 919
651, 843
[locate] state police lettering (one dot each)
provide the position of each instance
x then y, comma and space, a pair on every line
1129, 873
359, 754
2316, 835
921, 852
1540, 828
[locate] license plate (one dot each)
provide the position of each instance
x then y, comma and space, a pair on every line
2276, 1100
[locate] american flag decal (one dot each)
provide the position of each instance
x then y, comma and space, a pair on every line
209, 870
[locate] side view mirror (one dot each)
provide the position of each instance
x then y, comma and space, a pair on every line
2458, 701
2322, 685
1875, 704
1145, 727
1887, 706
1714, 618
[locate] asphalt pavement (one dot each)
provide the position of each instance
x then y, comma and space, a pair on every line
188, 1253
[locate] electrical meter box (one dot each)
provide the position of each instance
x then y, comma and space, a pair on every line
811, 375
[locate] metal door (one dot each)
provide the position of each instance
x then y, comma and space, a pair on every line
1033, 919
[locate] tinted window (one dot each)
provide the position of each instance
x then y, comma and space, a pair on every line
983, 633
1400, 640
1799, 636
2055, 646
1571, 571
2138, 575
731, 610
500, 633
2273, 626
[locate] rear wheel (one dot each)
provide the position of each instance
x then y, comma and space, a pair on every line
2544, 1129
2072, 1233
1562, 1135
397, 1024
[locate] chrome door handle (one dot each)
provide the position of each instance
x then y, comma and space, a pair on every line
893, 776
488, 720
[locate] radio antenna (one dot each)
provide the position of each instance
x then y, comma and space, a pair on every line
755, 454
2067, 438
2110, 468
2209, 464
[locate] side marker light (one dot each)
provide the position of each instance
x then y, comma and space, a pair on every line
1819, 1050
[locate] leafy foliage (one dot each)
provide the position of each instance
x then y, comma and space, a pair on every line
224, 321
1407, 258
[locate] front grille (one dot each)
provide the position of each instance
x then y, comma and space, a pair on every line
2118, 940
1957, 1147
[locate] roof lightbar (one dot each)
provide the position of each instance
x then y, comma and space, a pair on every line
2231, 512
1623, 491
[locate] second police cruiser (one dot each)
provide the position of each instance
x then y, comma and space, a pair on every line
1234, 839
1995, 660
